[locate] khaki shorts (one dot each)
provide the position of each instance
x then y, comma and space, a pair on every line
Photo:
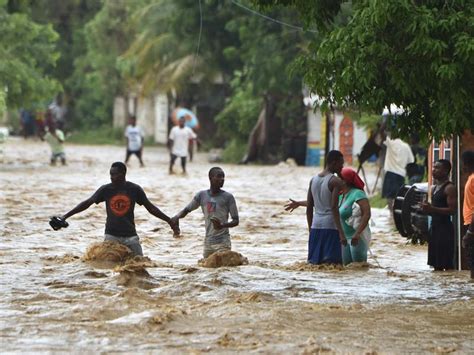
131, 242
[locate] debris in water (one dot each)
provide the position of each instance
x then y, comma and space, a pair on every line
224, 258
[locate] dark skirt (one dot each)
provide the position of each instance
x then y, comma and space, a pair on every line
324, 247
391, 184
441, 246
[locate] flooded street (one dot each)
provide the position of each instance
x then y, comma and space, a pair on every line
52, 301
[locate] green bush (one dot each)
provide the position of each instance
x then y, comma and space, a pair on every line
234, 151
100, 135
377, 201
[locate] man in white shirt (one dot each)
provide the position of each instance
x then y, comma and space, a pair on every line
179, 143
135, 137
397, 157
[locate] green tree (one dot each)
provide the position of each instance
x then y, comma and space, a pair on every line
27, 53
165, 53
415, 54
97, 78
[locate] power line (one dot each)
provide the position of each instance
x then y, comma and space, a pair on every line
199, 38
270, 18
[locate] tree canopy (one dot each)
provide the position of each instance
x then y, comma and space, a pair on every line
27, 54
414, 54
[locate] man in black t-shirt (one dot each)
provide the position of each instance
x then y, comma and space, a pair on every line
120, 197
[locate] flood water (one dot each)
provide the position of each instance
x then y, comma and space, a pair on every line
52, 301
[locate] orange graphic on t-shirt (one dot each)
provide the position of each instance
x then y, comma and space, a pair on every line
120, 204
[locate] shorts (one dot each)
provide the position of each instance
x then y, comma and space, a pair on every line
391, 184
324, 247
60, 155
133, 243
138, 153
221, 243
174, 157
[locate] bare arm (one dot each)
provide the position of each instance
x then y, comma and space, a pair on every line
155, 211
364, 219
84, 205
293, 205
194, 204
451, 195
309, 207
335, 185
218, 225
181, 214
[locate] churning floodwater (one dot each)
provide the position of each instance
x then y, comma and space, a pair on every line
53, 301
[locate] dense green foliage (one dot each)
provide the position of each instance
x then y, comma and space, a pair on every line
415, 54
27, 55
251, 56
97, 78
362, 55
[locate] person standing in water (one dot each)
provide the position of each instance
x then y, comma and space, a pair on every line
120, 197
55, 138
216, 205
322, 213
135, 138
443, 205
352, 201
179, 144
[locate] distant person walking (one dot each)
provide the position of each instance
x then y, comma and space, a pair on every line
468, 208
178, 144
443, 205
216, 205
398, 155
120, 197
55, 138
135, 139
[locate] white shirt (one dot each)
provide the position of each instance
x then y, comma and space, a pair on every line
180, 137
398, 155
135, 137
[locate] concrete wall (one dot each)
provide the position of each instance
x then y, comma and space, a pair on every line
151, 112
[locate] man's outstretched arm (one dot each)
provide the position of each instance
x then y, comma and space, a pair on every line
84, 205
155, 211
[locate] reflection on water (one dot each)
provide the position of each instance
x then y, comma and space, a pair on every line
53, 300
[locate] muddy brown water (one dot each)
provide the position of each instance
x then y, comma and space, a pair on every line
53, 301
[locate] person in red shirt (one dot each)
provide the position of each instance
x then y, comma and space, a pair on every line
468, 208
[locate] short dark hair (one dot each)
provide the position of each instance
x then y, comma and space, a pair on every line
468, 158
132, 117
333, 156
445, 163
213, 170
120, 166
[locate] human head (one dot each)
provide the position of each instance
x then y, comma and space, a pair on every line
181, 121
118, 170
216, 177
132, 120
350, 177
441, 169
468, 161
334, 161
